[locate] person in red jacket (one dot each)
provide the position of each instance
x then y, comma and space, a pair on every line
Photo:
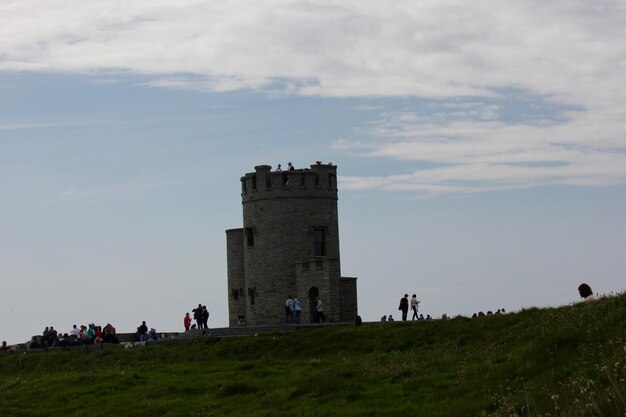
187, 321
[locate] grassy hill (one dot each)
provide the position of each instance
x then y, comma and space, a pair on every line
568, 361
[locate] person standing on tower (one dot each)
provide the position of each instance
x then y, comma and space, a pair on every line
404, 306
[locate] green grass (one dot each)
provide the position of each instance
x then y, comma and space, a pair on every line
568, 361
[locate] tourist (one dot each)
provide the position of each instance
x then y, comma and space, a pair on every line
109, 334
288, 309
297, 309
390, 318
91, 334
153, 336
319, 309
187, 321
358, 320
197, 315
205, 317
278, 168
585, 292
5, 347
414, 306
75, 332
142, 332
383, 319
404, 306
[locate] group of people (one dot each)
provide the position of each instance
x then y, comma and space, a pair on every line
385, 319
489, 313
285, 173
404, 307
85, 335
200, 315
145, 335
293, 310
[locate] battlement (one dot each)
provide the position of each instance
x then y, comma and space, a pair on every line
319, 181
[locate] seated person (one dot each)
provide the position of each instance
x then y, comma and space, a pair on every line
153, 336
109, 334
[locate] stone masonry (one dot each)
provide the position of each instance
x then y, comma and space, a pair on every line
289, 245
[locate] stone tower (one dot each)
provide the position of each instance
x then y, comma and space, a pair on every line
289, 245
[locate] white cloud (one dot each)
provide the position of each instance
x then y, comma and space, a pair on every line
356, 48
470, 154
569, 52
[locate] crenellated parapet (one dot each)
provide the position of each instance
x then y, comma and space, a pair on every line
319, 181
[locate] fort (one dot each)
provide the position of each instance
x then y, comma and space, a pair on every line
288, 245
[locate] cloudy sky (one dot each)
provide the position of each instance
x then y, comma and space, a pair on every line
481, 149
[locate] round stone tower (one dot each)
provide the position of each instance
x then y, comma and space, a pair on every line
289, 245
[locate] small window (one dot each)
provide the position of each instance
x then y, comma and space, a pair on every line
320, 241
251, 295
254, 182
236, 295
250, 236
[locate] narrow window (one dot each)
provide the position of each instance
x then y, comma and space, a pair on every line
250, 236
254, 182
243, 186
320, 241
236, 294
251, 295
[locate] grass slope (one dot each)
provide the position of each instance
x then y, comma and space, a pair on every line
560, 362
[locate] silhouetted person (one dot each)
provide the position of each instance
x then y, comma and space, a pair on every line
142, 331
197, 315
404, 306
414, 306
585, 292
205, 317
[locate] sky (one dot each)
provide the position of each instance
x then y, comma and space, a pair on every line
481, 150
